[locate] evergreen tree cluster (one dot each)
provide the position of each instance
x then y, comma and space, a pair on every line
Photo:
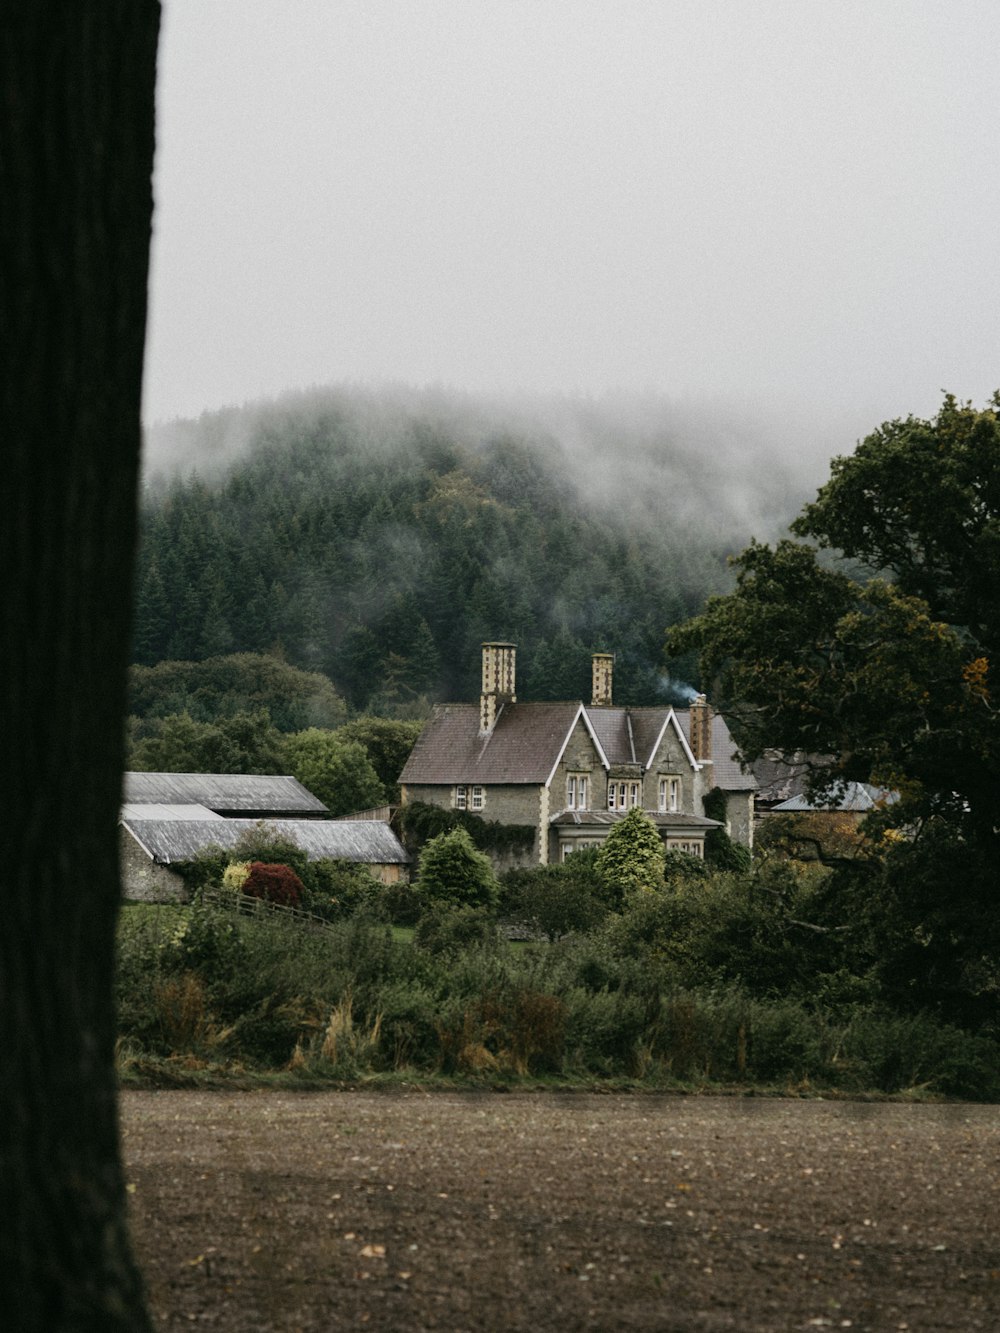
385, 564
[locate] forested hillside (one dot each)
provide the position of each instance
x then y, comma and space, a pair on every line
379, 539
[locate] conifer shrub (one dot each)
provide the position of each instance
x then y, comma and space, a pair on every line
454, 873
632, 856
274, 884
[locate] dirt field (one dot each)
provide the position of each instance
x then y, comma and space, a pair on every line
408, 1211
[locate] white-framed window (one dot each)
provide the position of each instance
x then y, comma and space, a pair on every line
669, 795
566, 849
624, 795
478, 798
461, 798
576, 791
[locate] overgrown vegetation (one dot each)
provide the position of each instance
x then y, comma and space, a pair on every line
709, 978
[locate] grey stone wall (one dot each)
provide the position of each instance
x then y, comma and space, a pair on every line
514, 803
739, 816
671, 761
579, 757
142, 879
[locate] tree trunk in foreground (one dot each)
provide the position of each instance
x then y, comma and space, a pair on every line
76, 150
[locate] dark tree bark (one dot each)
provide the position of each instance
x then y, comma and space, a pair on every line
76, 149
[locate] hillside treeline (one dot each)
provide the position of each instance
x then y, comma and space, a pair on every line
381, 544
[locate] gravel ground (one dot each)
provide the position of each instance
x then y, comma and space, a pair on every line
409, 1211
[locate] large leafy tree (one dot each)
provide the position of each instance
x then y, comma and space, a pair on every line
336, 770
874, 648
886, 666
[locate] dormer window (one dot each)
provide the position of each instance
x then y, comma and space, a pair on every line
669, 799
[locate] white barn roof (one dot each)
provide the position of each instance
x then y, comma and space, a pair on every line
257, 794
167, 841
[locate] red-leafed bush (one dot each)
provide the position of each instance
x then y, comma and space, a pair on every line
273, 883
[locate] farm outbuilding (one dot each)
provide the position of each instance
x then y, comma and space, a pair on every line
169, 818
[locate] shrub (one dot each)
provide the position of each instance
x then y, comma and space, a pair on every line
552, 900
274, 883
453, 872
453, 930
631, 856
235, 876
339, 889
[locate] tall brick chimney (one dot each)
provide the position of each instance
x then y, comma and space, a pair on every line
701, 729
602, 674
498, 683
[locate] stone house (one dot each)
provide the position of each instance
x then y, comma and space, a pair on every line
572, 770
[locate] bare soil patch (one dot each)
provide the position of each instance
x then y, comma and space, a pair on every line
410, 1211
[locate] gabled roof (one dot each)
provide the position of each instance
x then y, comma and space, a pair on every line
168, 841
522, 747
728, 773
255, 793
529, 738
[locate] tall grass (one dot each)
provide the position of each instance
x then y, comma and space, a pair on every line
203, 985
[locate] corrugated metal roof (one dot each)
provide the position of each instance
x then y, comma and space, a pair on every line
132, 810
171, 840
258, 793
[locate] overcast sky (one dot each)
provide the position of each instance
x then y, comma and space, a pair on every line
784, 201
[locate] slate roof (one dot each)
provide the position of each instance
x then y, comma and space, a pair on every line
168, 841
226, 793
856, 798
522, 748
780, 778
727, 771
528, 737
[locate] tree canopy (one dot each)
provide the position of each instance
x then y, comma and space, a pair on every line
220, 687
335, 769
886, 669
872, 649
